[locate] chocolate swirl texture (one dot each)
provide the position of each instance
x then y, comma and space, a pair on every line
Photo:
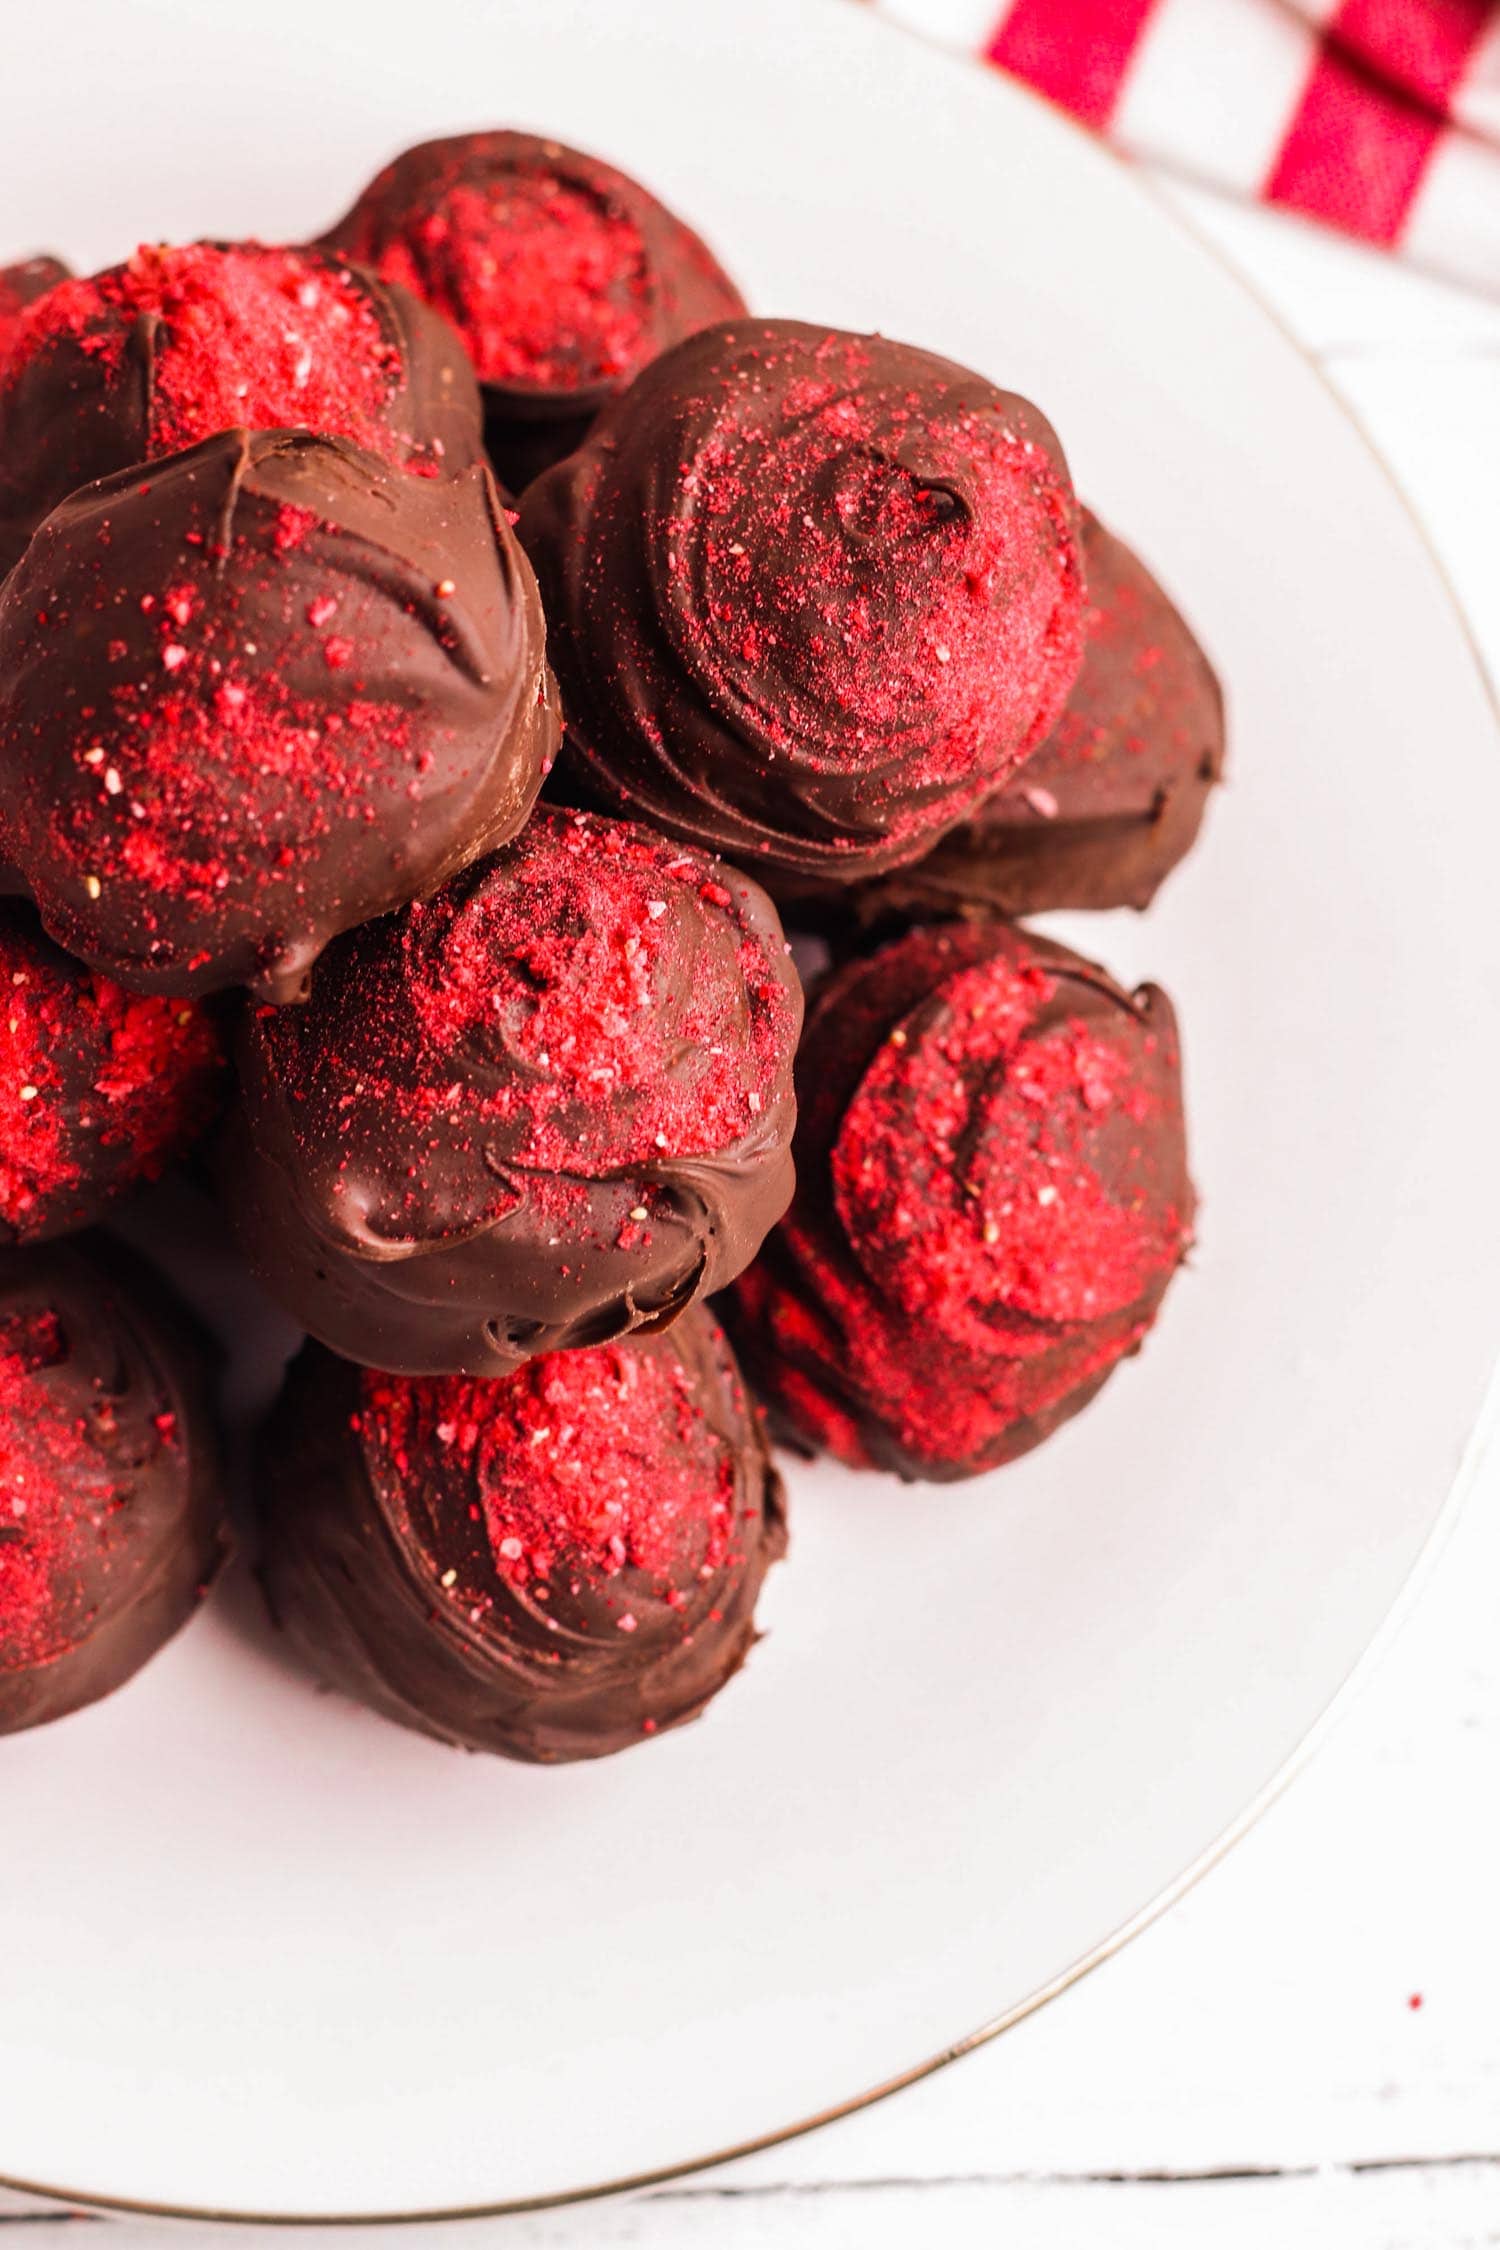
550, 1567
1114, 798
148, 358
111, 1489
100, 1089
257, 694
992, 1197
811, 597
546, 1107
563, 276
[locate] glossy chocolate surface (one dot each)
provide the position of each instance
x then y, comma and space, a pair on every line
111, 1485
465, 1561
549, 1106
257, 693
810, 597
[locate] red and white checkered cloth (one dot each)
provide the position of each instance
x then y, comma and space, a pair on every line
1380, 117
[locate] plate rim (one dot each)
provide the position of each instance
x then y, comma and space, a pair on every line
1476, 1445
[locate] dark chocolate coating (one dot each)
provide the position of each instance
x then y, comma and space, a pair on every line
810, 596
1114, 798
99, 1345
967, 1359
355, 1558
100, 1089
432, 1193
255, 695
442, 217
71, 414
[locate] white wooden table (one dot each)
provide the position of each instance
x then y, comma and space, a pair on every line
1307, 2052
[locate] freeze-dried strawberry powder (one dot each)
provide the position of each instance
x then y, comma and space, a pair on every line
60, 1502
581, 1466
241, 337
87, 1067
967, 1168
545, 282
599, 994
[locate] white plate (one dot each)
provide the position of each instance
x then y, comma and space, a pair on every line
265, 1953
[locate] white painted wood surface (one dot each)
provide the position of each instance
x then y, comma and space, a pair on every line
1256, 2068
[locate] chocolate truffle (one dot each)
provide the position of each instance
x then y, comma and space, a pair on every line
256, 694
111, 1489
546, 1107
1114, 798
100, 1089
992, 1195
150, 357
552, 1566
812, 596
562, 275
20, 285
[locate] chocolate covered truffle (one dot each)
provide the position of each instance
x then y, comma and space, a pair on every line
111, 1491
100, 1089
563, 276
178, 344
552, 1566
257, 693
812, 596
549, 1105
992, 1196
1114, 798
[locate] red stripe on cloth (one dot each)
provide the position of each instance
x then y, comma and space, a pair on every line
1354, 153
1356, 149
1424, 45
1075, 51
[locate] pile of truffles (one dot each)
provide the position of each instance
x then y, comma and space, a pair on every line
439, 662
